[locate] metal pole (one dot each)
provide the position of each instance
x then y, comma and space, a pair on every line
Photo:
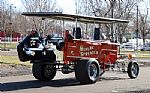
119, 37
76, 6
25, 26
76, 24
43, 20
86, 28
112, 16
137, 29
10, 23
4, 26
63, 32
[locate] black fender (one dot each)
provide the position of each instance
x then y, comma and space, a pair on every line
20, 49
21, 53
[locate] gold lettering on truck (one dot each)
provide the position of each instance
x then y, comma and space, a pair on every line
87, 51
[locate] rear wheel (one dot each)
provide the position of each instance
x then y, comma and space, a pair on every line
87, 71
133, 70
43, 72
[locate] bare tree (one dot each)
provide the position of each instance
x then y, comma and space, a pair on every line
39, 5
143, 22
5, 17
40, 24
123, 9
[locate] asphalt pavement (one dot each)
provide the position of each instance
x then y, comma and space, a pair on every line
110, 82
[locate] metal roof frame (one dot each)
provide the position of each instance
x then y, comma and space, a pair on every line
75, 17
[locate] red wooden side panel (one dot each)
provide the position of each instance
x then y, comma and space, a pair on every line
82, 49
103, 52
108, 53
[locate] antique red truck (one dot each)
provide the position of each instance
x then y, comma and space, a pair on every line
89, 59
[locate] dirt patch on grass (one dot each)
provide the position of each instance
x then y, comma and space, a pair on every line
14, 70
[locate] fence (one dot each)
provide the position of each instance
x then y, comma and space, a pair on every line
8, 39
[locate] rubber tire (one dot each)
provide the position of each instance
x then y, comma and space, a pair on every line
81, 71
130, 70
38, 70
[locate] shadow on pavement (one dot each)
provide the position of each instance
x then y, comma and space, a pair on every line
11, 86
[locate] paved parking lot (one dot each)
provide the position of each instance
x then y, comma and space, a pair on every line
110, 82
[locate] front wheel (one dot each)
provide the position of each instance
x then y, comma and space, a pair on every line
87, 71
43, 72
133, 70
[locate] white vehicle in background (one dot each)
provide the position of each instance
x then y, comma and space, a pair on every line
128, 46
132, 44
146, 47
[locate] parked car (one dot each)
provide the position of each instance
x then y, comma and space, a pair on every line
128, 45
146, 47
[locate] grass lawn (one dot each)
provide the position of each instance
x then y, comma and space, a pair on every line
139, 54
12, 60
9, 45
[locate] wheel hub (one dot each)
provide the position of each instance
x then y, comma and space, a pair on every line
134, 70
93, 71
48, 70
